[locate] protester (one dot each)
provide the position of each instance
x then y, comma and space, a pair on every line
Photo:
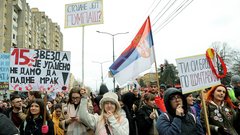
50, 106
72, 123
110, 121
33, 125
234, 92
190, 102
177, 120
197, 104
221, 113
7, 127
33, 95
103, 89
130, 99
15, 114
158, 96
56, 115
145, 116
162, 88
137, 100
127, 101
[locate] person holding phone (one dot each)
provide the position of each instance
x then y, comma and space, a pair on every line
177, 120
72, 123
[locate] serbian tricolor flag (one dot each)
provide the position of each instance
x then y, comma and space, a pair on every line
136, 58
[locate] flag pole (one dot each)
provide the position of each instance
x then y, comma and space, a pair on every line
156, 73
155, 63
205, 113
83, 56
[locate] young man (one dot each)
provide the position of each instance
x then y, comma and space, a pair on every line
15, 114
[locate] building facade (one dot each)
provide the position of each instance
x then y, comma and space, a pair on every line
23, 27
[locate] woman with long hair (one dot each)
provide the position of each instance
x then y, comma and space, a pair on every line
221, 113
33, 125
147, 115
110, 121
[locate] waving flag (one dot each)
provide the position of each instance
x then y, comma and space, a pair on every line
136, 58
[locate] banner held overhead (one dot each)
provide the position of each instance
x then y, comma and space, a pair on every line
39, 70
83, 13
195, 73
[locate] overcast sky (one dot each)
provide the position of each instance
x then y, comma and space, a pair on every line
191, 32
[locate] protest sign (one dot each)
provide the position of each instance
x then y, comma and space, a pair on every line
195, 73
83, 13
4, 67
39, 70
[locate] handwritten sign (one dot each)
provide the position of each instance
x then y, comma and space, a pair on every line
84, 13
39, 70
4, 67
195, 73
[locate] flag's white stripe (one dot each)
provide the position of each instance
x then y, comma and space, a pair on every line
134, 69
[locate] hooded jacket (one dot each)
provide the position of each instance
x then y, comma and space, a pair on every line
170, 124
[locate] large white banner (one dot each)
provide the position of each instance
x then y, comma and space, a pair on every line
195, 73
83, 13
39, 70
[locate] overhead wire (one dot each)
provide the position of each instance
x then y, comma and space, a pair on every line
172, 16
155, 21
155, 7
146, 13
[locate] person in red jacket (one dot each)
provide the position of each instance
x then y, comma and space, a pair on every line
158, 96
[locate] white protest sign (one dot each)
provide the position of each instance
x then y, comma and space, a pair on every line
39, 70
195, 73
84, 13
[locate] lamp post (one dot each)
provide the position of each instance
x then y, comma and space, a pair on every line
113, 35
101, 68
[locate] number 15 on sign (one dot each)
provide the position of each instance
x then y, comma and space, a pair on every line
20, 56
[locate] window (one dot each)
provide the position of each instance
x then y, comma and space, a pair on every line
14, 19
14, 36
15, 10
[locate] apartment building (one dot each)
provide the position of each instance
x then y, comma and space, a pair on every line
3, 24
23, 27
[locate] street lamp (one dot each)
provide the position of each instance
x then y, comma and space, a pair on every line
101, 68
113, 35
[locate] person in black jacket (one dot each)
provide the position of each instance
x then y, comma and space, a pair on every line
103, 89
6, 126
34, 121
146, 115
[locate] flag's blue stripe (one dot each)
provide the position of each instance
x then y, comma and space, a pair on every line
129, 57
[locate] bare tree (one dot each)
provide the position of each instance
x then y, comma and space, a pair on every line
231, 58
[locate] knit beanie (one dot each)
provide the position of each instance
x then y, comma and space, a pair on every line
112, 97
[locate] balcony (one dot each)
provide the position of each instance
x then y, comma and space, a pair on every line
17, 4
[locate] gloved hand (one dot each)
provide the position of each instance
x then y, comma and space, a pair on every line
45, 129
223, 131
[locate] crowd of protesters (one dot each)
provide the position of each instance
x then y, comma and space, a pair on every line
153, 111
